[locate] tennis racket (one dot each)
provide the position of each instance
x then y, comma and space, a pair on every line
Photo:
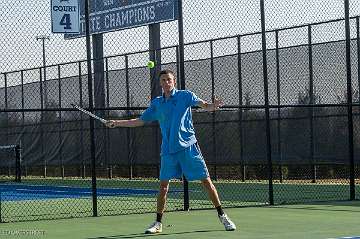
104, 121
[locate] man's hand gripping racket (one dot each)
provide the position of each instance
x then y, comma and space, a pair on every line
217, 103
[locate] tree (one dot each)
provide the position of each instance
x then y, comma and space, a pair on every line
342, 96
297, 127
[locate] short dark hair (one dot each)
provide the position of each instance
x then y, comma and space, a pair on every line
165, 72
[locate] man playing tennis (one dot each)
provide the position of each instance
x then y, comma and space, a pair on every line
180, 153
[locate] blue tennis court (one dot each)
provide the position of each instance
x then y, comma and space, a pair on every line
18, 192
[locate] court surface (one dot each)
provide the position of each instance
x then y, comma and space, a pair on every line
315, 221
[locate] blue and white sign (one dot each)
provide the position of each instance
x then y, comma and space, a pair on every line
65, 16
113, 15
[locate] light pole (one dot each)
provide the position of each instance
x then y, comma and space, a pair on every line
43, 38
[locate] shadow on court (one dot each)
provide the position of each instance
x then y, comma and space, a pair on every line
141, 235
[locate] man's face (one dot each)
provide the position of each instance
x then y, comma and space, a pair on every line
167, 82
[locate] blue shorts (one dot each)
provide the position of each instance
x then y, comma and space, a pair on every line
189, 162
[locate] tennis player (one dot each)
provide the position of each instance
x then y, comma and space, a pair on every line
180, 153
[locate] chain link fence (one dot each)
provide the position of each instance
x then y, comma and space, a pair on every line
307, 96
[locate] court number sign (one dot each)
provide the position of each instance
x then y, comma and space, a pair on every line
65, 16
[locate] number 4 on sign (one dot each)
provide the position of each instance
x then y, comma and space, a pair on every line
66, 20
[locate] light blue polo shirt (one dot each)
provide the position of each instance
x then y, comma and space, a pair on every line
175, 119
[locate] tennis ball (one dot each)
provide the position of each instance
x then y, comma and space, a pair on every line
150, 64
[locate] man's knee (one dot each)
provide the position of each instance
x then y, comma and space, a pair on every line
207, 183
164, 188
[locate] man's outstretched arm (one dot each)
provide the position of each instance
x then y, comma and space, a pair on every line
211, 106
125, 123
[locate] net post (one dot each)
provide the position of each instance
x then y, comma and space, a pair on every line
1, 207
110, 172
17, 163
186, 194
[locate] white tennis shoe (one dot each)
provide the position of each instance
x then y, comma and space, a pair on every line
156, 227
228, 224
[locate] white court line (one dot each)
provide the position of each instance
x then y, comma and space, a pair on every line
351, 237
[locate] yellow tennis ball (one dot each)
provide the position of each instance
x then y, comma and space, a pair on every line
150, 64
